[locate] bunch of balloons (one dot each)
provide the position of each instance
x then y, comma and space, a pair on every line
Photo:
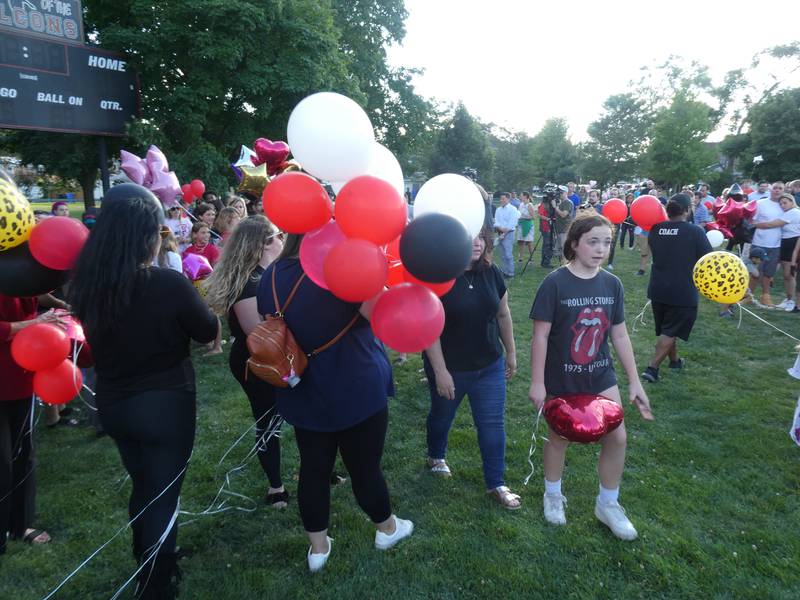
193, 191
43, 349
730, 214
34, 259
254, 168
363, 243
153, 173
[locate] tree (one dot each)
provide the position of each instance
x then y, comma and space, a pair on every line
553, 157
678, 153
775, 135
617, 140
513, 166
462, 143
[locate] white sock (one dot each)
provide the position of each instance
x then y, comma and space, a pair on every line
607, 496
552, 488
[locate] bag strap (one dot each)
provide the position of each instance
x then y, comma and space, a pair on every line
337, 338
278, 309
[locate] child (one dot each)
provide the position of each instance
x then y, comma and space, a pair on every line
752, 260
201, 236
168, 256
576, 309
180, 226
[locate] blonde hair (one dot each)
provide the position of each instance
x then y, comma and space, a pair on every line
240, 257
225, 218
168, 244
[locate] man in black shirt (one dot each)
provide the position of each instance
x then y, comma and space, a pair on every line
676, 246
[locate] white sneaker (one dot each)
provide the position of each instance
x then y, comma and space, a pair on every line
554, 509
402, 529
783, 304
789, 306
317, 561
613, 515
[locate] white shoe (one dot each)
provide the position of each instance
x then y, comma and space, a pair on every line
402, 529
783, 304
317, 561
789, 306
613, 515
554, 509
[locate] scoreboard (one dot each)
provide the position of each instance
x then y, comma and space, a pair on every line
53, 85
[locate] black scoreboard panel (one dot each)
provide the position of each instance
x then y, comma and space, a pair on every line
54, 86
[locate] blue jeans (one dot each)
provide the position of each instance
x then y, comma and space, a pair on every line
507, 253
486, 389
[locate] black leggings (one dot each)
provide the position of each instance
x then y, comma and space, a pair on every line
154, 432
361, 447
262, 402
17, 479
626, 228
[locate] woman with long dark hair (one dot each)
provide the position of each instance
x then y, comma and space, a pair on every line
139, 321
232, 288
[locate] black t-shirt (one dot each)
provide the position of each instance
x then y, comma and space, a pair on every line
580, 311
148, 348
676, 246
471, 337
239, 352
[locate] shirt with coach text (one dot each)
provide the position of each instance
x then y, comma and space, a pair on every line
676, 247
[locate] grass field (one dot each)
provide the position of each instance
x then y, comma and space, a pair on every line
711, 485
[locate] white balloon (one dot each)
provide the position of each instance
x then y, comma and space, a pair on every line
715, 238
382, 165
453, 195
331, 136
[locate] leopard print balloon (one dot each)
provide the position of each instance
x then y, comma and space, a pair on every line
16, 216
721, 277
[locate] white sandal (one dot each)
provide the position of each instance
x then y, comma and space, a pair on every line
505, 497
439, 467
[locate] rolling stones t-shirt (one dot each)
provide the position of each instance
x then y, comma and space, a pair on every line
581, 312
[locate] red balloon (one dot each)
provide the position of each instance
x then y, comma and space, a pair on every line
582, 418
615, 210
85, 356
187, 193
397, 273
371, 209
440, 289
355, 270
709, 204
646, 211
314, 250
56, 242
198, 188
297, 203
58, 385
393, 249
408, 318
40, 347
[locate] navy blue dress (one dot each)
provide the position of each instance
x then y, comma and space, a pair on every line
343, 385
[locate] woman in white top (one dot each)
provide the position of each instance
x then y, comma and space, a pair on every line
789, 222
525, 233
180, 226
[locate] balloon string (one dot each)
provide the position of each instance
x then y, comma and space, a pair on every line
532, 449
750, 312
640, 317
18, 447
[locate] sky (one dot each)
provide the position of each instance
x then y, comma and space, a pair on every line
517, 63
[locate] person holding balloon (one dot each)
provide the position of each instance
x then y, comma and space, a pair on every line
577, 308
467, 359
676, 246
17, 481
339, 404
232, 290
201, 243
139, 321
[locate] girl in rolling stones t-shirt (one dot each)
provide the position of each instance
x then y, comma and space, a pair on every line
576, 309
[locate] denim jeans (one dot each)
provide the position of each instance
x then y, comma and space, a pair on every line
507, 254
486, 389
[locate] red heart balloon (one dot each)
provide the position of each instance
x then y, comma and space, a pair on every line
271, 153
582, 418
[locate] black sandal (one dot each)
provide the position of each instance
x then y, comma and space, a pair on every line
30, 537
278, 499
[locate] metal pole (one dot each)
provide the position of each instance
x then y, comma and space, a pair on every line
101, 142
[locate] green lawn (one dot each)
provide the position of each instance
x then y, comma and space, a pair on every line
712, 486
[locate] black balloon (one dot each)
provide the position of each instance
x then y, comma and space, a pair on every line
22, 276
435, 248
126, 192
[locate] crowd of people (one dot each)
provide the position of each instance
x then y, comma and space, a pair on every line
140, 314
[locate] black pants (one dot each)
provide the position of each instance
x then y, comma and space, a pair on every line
154, 432
361, 447
262, 402
626, 228
613, 245
17, 479
547, 248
